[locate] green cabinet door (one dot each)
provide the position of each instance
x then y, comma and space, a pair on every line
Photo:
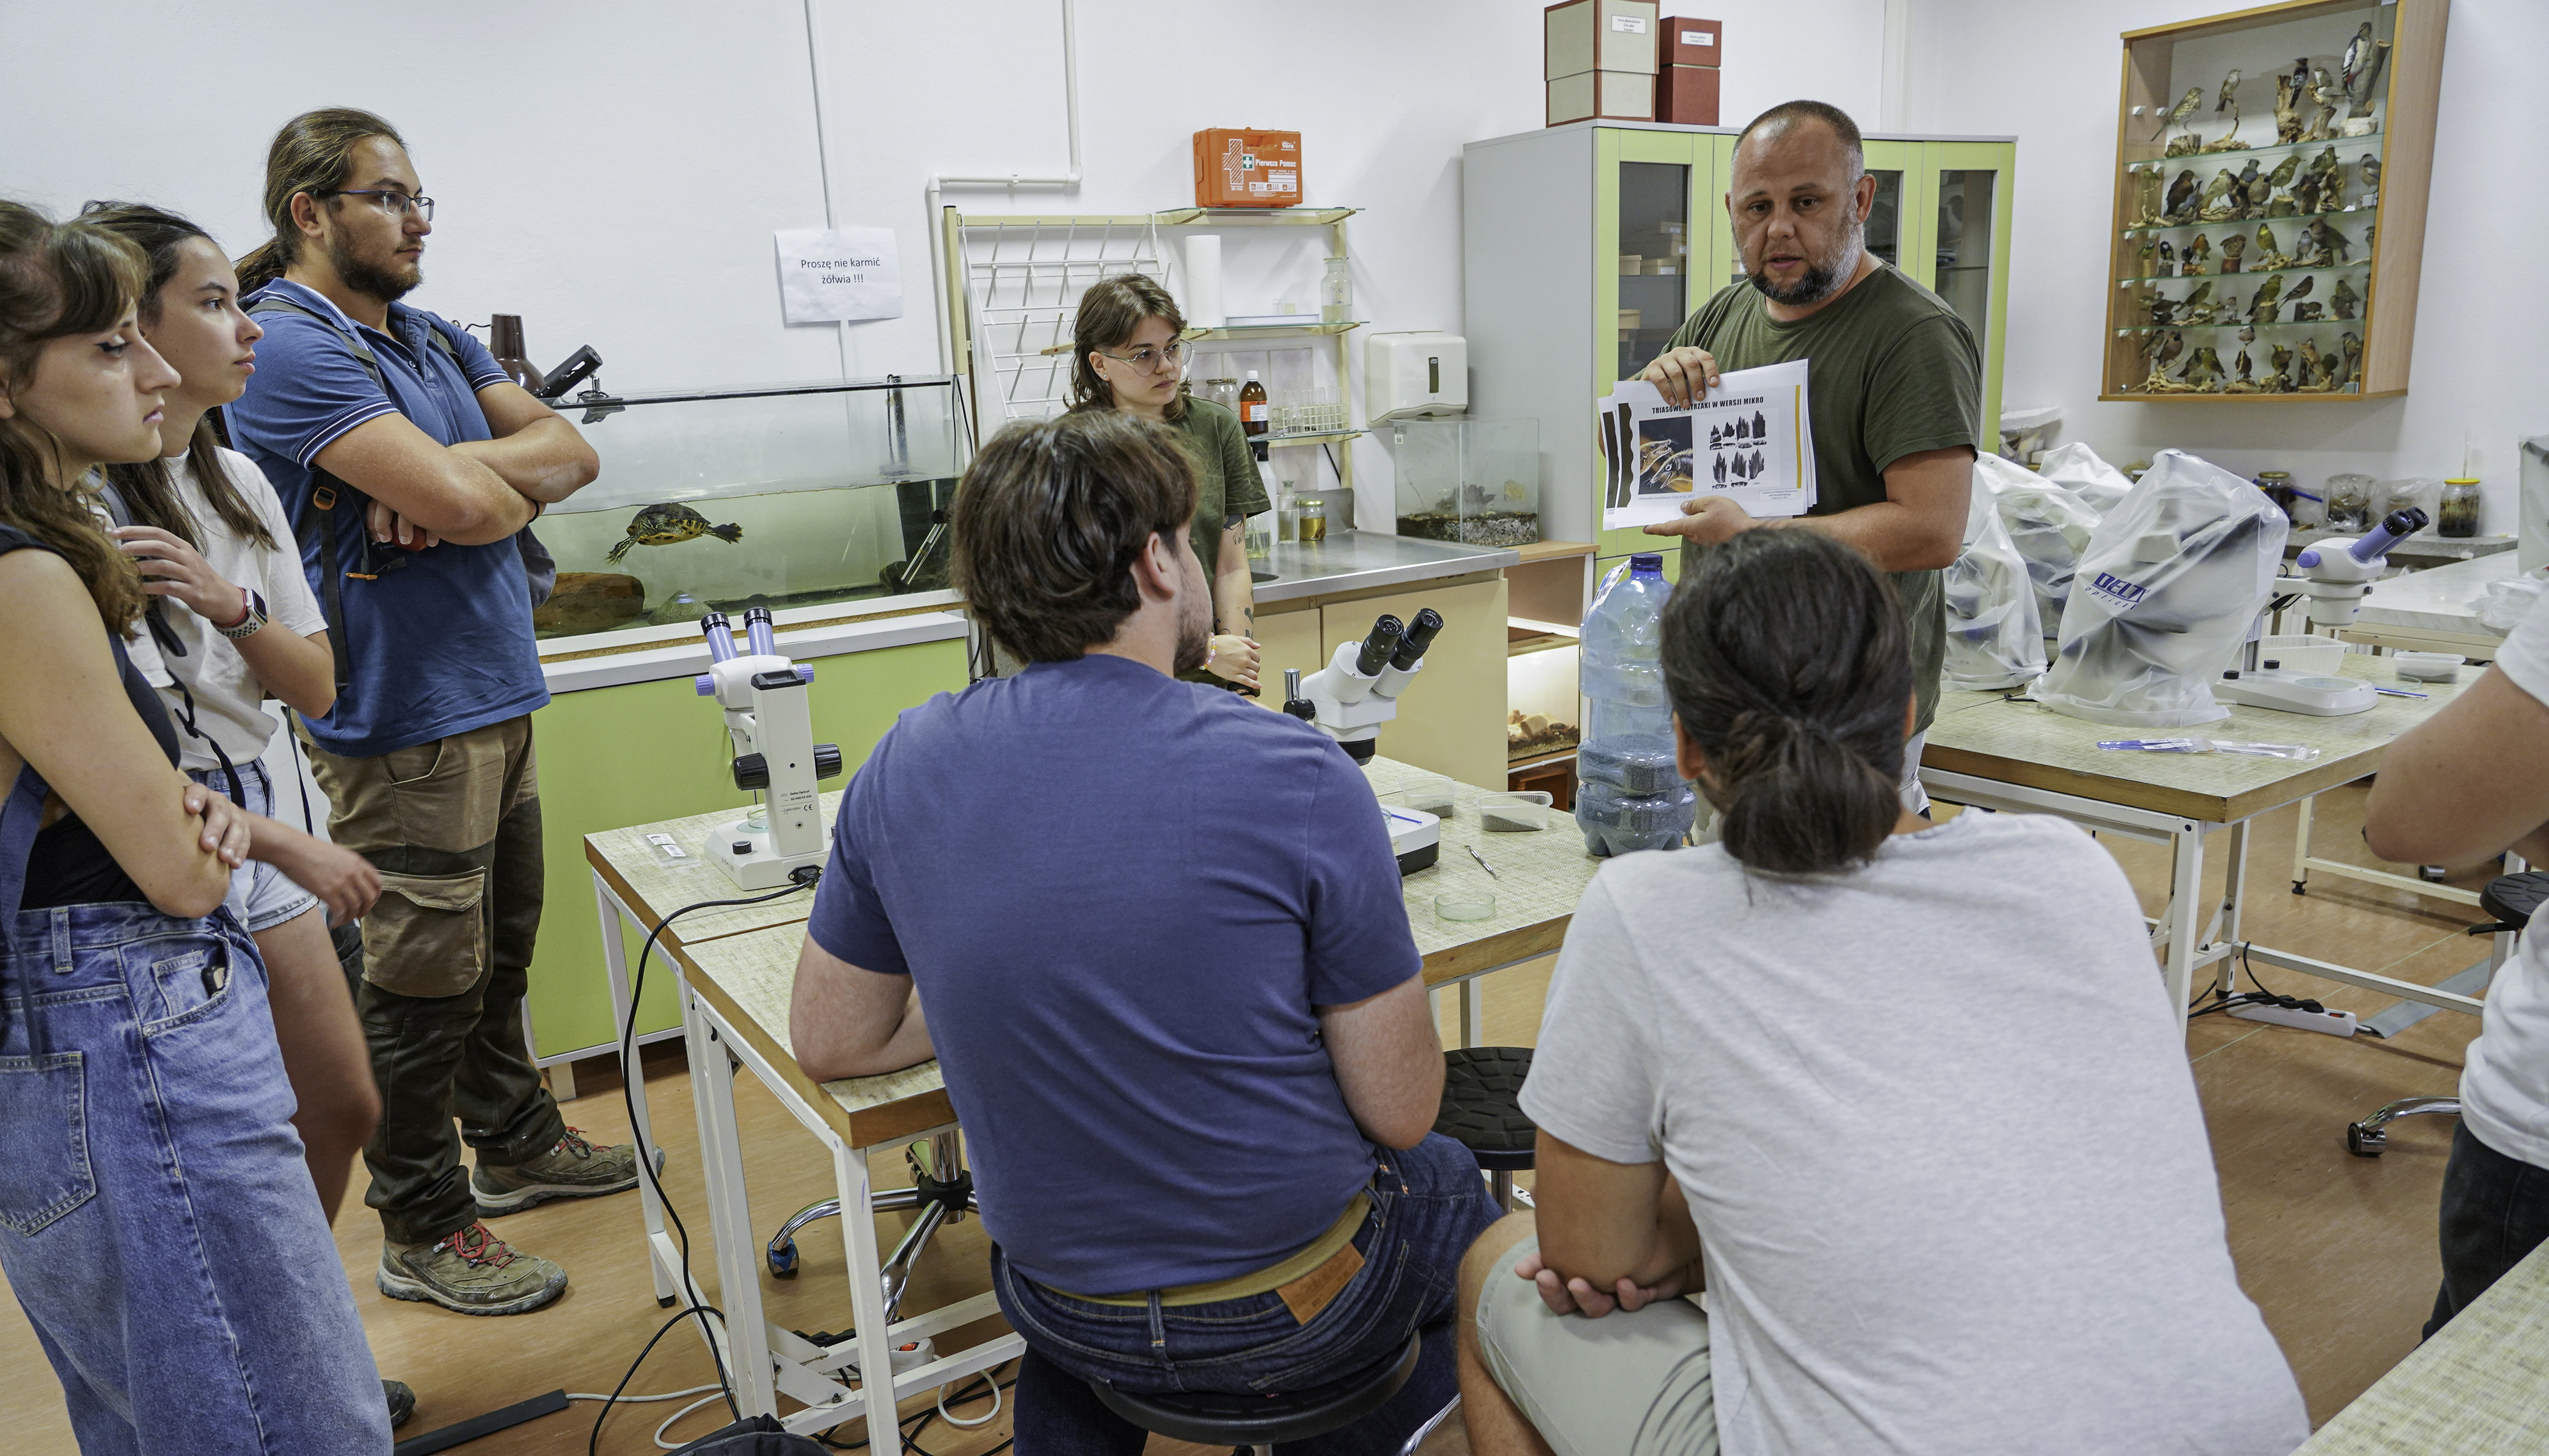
613, 757
1656, 209
1966, 210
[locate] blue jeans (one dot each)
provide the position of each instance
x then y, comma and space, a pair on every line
1428, 1204
2496, 1210
157, 1218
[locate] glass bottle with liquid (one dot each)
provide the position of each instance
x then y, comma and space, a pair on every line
1313, 520
1253, 412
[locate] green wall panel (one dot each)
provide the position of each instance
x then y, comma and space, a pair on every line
613, 757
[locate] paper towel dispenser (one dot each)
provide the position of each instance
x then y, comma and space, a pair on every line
1411, 374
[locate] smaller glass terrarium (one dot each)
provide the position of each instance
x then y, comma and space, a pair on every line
1476, 481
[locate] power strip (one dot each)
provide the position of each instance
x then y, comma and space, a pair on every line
2334, 1023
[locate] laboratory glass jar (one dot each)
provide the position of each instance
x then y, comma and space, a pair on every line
1314, 519
1336, 294
2456, 515
2278, 486
2349, 502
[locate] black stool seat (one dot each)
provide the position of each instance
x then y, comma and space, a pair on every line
2511, 898
1213, 1418
1482, 1105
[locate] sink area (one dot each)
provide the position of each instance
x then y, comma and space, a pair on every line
1254, 576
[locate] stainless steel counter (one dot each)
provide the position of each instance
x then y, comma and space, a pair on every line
1352, 561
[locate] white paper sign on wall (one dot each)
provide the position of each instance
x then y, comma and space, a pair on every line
833, 275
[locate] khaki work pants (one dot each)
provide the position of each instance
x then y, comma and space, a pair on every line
454, 828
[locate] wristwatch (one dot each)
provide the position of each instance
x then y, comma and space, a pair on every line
251, 618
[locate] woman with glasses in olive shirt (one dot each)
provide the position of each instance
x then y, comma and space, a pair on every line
1128, 356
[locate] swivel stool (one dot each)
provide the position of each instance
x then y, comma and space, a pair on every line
2511, 900
1482, 1112
942, 1189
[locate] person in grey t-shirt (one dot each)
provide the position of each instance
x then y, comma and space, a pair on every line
1856, 1133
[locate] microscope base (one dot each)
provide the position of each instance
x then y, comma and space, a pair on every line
745, 855
2288, 692
1415, 837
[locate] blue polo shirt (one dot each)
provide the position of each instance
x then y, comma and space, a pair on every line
444, 644
1121, 898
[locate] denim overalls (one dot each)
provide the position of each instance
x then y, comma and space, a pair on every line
157, 1218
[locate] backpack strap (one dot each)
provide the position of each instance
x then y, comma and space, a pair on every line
327, 490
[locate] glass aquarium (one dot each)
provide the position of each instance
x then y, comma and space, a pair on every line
1476, 481
779, 495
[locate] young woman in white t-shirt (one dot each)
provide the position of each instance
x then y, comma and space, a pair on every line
234, 624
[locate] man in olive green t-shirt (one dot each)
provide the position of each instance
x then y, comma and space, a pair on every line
1893, 381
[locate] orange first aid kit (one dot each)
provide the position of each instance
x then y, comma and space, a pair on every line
1239, 167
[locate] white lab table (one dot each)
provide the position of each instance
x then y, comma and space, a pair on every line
2430, 611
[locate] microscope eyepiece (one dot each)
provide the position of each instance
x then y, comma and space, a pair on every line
1378, 648
1420, 636
2394, 527
714, 626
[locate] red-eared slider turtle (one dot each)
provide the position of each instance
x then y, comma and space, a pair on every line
670, 524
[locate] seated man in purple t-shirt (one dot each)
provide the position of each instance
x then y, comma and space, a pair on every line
1154, 934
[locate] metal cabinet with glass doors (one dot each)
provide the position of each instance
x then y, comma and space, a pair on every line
1587, 245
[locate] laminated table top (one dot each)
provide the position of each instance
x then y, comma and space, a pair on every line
1988, 736
2479, 1388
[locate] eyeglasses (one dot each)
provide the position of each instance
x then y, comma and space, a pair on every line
395, 204
1147, 359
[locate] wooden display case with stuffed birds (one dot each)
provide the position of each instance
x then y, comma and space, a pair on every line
2271, 174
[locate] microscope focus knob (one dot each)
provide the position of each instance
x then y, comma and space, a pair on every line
751, 770
827, 761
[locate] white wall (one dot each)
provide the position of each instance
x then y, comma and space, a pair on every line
2048, 73
614, 172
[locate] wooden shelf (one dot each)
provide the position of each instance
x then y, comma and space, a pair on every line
1523, 641
1553, 550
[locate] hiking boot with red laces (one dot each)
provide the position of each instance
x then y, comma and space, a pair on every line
470, 1271
573, 1168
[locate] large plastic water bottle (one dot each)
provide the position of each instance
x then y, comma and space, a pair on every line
1629, 795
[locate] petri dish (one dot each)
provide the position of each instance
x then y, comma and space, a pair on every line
1466, 905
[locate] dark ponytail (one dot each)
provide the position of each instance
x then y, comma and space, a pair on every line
312, 153
1787, 661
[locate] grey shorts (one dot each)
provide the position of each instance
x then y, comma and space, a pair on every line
1622, 1385
260, 894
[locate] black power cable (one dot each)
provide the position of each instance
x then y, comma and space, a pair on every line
801, 877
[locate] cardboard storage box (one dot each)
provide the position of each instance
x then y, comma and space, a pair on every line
1242, 167
1687, 95
1682, 41
1599, 35
1619, 96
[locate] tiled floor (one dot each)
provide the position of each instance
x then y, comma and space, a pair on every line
2338, 1251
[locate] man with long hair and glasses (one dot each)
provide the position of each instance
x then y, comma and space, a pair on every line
409, 466
1894, 377
1198, 1083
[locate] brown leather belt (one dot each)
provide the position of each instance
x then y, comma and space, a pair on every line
1307, 1281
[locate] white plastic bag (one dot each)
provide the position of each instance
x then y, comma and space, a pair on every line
2076, 468
2048, 524
2504, 604
1994, 637
2168, 589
